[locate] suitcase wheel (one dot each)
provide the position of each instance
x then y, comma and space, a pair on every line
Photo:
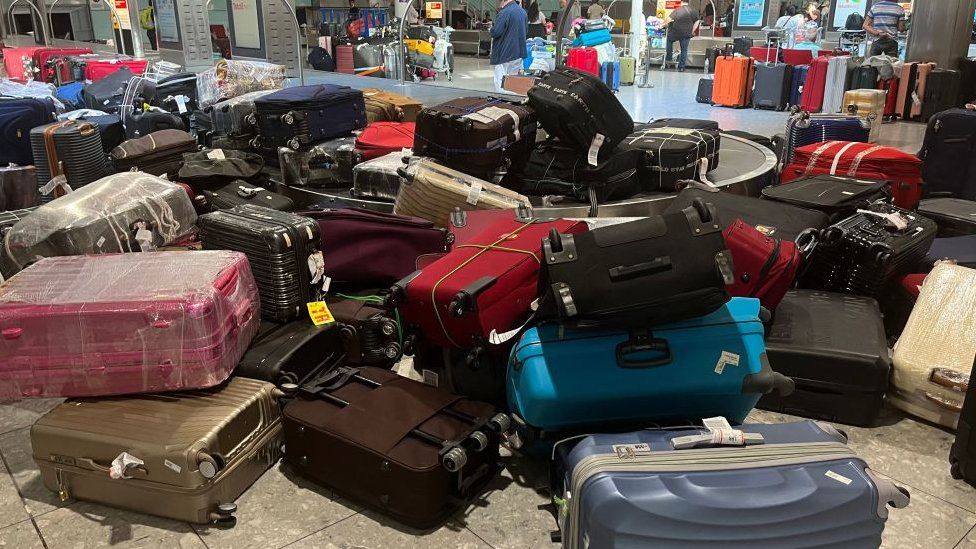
224, 515
392, 351
454, 459
251, 119
288, 119
500, 423
256, 142
479, 441
294, 143
832, 236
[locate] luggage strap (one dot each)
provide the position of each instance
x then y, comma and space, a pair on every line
54, 166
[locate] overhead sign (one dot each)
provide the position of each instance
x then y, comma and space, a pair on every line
121, 9
750, 13
434, 10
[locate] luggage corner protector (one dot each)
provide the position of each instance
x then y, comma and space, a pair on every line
559, 248
889, 493
767, 381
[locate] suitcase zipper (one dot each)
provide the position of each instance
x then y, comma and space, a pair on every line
767, 266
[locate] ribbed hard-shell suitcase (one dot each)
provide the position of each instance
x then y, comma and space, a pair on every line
118, 333
302, 116
185, 456
292, 351
954, 216
868, 104
669, 488
380, 177
733, 81
805, 129
19, 116
70, 148
834, 90
890, 86
328, 164
562, 380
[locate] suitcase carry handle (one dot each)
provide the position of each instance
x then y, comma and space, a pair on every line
227, 282
627, 272
642, 343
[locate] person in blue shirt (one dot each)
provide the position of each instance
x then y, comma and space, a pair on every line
884, 20
508, 40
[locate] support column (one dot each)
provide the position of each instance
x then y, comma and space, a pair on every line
637, 31
941, 31
137, 50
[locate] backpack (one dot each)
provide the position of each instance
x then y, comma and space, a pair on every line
855, 21
320, 60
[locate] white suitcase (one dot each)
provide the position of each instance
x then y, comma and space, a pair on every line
834, 90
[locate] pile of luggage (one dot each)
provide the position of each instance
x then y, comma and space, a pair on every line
594, 52
173, 266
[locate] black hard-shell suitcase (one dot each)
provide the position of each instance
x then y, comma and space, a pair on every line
834, 348
962, 455
292, 351
704, 93
580, 110
941, 91
949, 155
477, 373
555, 169
772, 86
954, 216
240, 192
835, 196
281, 247
302, 116
686, 123
107, 94
864, 77
369, 331
78, 155
672, 154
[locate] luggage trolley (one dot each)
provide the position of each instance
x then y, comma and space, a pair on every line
851, 41
654, 33
444, 51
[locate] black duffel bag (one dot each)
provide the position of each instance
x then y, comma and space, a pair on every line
215, 168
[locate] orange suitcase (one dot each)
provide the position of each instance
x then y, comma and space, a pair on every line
733, 81
911, 89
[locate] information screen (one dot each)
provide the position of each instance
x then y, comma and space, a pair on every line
166, 25
752, 13
246, 32
845, 8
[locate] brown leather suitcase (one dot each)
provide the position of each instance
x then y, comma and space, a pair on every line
415, 452
382, 105
199, 450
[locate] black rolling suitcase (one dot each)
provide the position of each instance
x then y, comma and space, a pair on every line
953, 216
864, 77
711, 56
864, 253
772, 86
941, 92
686, 123
177, 94
672, 154
238, 193
835, 196
369, 330
555, 169
959, 249
281, 247
327, 165
107, 94
478, 373
834, 348
290, 352
157, 153
302, 116
962, 455
581, 111
949, 154
70, 148
704, 93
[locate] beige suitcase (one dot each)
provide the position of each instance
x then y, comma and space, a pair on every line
185, 456
868, 104
934, 355
433, 192
386, 106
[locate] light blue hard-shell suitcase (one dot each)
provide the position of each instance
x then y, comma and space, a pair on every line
610, 74
801, 486
560, 379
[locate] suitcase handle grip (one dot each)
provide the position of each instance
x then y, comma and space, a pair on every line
227, 282
627, 272
95, 466
643, 345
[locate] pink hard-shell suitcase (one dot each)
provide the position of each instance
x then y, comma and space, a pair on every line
13, 61
97, 325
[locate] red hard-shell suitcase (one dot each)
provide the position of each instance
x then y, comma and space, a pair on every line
816, 83
584, 59
381, 138
44, 61
482, 288
98, 69
891, 98
765, 266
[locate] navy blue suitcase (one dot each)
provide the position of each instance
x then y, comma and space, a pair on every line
961, 249
796, 84
791, 485
806, 129
18, 116
305, 115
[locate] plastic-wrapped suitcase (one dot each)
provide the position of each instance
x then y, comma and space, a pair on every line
580, 111
238, 193
672, 154
97, 69
369, 332
18, 188
912, 92
19, 116
328, 164
868, 104
834, 348
235, 116
118, 333
954, 216
772, 88
666, 488
382, 105
44, 61
815, 85
706, 87
379, 178
187, 456
157, 153
433, 192
934, 355
302, 116
948, 154
291, 352
834, 90
837, 197
765, 266
555, 169
382, 439
71, 149
107, 94
382, 138
796, 84
941, 92
805, 129
563, 380
864, 253
962, 454
733, 81
282, 248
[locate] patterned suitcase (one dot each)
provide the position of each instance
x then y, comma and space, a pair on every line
804, 129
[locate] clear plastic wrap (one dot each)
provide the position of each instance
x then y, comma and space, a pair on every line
124, 212
232, 78
125, 323
378, 178
33, 88
327, 165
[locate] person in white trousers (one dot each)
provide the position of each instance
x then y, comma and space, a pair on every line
508, 34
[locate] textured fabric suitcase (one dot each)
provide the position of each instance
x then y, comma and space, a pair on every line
934, 355
555, 169
18, 188
948, 154
834, 348
70, 149
19, 116
379, 178
186, 456
868, 104
235, 116
382, 138
142, 123
804, 129
962, 454
562, 380
107, 94
584, 60
580, 111
476, 135
954, 216
369, 332
44, 61
941, 92
765, 266
392, 443
672, 154
157, 153
239, 192
382, 105
617, 490
796, 84
733, 81
109, 129
97, 69
70, 95
431, 191
481, 289
119, 333
772, 90
837, 197
628, 70
835, 88
328, 164
305, 115
291, 352
865, 77
706, 88
912, 94
282, 249
815, 85
658, 269
216, 168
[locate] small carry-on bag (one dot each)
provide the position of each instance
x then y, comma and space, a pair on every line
584, 60
628, 70
291, 352
239, 192
119, 333
610, 74
815, 85
19, 116
302, 116
765, 266
772, 89
555, 169
382, 138
580, 111
67, 153
962, 455
833, 347
384, 440
941, 92
934, 354
667, 488
948, 154
868, 104
157, 153
476, 135
654, 270
482, 288
18, 188
672, 154
804, 129
386, 106
186, 456
433, 192
954, 216
890, 87
177, 94
733, 81
107, 94
706, 87
369, 332
838, 197
562, 380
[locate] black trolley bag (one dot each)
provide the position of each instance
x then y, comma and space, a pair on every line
555, 169
305, 115
580, 110
651, 271
835, 196
107, 94
954, 216
672, 154
290, 352
280, 247
948, 155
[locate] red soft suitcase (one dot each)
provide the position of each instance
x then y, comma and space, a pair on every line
381, 138
764, 55
96, 325
584, 59
765, 266
44, 61
891, 98
14, 59
482, 288
797, 57
96, 69
814, 86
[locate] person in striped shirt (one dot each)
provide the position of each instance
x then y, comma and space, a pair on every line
884, 20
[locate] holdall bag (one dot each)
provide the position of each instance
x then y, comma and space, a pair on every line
67, 153
706, 88
107, 94
483, 288
804, 129
157, 153
240, 192
658, 487
772, 86
833, 346
733, 81
563, 381
291, 352
796, 84
580, 111
962, 454
141, 123
836, 84
18, 188
302, 116
217, 168
934, 354
321, 60
382, 439
19, 116
672, 154
765, 266
366, 249
868, 104
555, 169
912, 95
186, 456
135, 328
837, 197
583, 59
99, 69
815, 85
476, 135
328, 164
947, 153
660, 269
382, 105
941, 92
370, 332
382, 138
70, 95
954, 216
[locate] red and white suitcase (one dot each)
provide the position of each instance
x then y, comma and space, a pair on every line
382, 138
96, 69
14, 60
112, 324
44, 61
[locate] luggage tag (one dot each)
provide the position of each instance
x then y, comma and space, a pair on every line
592, 156
59, 181
895, 219
216, 154
319, 312
123, 463
181, 103
316, 267
144, 237
720, 433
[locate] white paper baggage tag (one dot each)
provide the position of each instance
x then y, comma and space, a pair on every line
181, 103
474, 193
57, 181
726, 359
316, 267
216, 154
122, 464
145, 239
592, 157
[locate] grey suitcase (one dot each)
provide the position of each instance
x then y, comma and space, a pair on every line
233, 117
836, 84
772, 86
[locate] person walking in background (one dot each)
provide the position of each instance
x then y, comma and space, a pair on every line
884, 20
508, 35
682, 25
148, 23
537, 21
595, 11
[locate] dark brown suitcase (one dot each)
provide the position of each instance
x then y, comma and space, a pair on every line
157, 153
369, 331
415, 452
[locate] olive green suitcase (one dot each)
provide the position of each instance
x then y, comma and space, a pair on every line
628, 70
